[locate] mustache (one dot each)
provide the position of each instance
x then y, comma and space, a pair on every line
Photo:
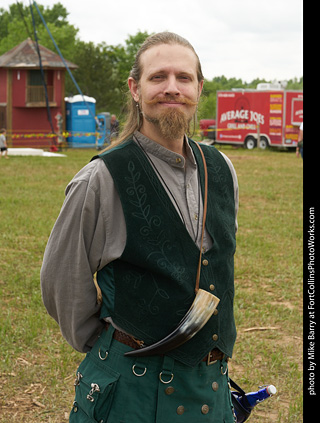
169, 98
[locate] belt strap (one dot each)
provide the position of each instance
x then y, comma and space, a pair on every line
205, 202
166, 375
124, 338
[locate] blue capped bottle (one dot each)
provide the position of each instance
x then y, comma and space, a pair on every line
244, 403
254, 398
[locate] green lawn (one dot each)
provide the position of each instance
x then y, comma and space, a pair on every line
37, 366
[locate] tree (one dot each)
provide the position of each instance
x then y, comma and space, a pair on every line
207, 106
16, 25
103, 71
96, 75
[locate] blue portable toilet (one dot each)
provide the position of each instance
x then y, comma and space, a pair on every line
80, 121
104, 122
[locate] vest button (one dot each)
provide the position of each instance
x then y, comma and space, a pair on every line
215, 386
169, 390
180, 410
212, 287
205, 409
205, 262
216, 311
215, 337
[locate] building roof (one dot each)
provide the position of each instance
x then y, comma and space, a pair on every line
25, 55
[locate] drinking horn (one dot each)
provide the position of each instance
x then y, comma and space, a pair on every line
201, 309
196, 317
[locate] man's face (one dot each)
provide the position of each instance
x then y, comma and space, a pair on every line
168, 90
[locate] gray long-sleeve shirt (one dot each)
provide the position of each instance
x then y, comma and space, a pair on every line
90, 232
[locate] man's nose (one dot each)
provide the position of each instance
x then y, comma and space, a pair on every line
172, 87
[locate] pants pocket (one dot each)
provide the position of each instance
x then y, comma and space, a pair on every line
94, 386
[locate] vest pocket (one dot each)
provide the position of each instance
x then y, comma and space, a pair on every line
94, 386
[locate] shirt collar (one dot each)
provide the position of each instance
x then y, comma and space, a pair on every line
172, 158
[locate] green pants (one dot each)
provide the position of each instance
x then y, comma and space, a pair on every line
111, 388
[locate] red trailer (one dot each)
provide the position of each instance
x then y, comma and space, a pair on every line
271, 117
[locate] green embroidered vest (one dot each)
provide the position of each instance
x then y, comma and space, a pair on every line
151, 286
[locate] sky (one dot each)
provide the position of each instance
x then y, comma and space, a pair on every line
243, 39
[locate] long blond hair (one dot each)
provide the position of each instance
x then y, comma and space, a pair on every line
134, 116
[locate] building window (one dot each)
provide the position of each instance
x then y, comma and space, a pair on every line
35, 87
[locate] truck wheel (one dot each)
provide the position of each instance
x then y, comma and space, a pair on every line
264, 143
250, 143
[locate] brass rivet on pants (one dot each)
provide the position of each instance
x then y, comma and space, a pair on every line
205, 409
180, 409
169, 390
215, 386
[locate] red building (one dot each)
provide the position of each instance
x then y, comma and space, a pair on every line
23, 109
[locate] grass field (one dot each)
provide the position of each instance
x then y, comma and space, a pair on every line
37, 366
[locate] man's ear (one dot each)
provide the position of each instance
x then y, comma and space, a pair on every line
133, 87
200, 89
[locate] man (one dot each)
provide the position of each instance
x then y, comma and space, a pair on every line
134, 215
299, 149
114, 127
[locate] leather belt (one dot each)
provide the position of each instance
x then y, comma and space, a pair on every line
214, 356
128, 340
125, 339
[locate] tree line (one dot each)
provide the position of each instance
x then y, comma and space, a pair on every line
103, 69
